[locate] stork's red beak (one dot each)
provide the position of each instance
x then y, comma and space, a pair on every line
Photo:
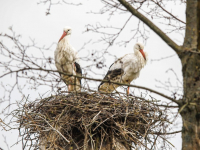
142, 52
64, 34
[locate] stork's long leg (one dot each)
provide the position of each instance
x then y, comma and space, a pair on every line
74, 77
128, 90
69, 87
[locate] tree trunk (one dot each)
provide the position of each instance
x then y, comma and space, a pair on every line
190, 58
191, 110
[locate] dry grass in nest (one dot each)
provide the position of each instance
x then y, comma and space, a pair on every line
80, 120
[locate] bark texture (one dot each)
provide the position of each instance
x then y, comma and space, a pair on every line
190, 59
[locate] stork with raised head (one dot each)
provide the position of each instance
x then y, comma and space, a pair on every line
124, 69
67, 62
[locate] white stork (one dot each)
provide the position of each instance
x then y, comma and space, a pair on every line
125, 69
66, 61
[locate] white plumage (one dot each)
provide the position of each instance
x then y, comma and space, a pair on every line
66, 61
125, 69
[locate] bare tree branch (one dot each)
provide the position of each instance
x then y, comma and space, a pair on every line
93, 79
168, 12
151, 25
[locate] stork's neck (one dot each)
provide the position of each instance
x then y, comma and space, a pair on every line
135, 50
64, 44
139, 55
65, 41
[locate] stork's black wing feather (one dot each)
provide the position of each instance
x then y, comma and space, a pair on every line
78, 70
112, 74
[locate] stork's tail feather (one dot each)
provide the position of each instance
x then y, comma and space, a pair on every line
107, 87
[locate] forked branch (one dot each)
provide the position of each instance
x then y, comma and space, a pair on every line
151, 25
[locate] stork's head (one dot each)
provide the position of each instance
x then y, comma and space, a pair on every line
66, 31
140, 47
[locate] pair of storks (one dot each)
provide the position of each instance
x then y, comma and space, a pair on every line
123, 70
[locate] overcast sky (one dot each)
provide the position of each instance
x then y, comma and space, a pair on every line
29, 19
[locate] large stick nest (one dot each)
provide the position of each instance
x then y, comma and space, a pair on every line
83, 120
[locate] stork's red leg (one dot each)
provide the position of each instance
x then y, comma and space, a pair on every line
128, 90
69, 87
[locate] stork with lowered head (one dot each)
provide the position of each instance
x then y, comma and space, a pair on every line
124, 69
